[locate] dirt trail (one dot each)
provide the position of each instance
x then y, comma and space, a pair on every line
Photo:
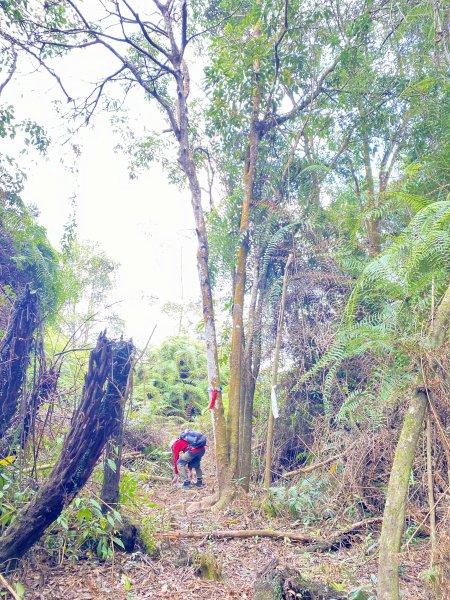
172, 573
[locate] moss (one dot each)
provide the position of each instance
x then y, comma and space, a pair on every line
208, 566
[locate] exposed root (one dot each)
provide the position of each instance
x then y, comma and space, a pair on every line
203, 504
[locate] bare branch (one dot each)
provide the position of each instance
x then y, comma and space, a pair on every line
145, 33
11, 70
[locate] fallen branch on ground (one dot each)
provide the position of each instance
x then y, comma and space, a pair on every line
239, 533
9, 588
294, 536
159, 478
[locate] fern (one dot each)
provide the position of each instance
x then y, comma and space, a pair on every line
395, 289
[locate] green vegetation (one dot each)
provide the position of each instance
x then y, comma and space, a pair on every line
313, 139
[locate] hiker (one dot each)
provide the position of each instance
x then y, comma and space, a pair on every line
192, 445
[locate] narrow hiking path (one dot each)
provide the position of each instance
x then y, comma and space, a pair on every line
177, 567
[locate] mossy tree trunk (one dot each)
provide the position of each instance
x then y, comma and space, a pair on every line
395, 507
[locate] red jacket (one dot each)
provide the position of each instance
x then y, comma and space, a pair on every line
179, 447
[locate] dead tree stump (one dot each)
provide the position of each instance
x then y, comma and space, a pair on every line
117, 396
276, 582
91, 426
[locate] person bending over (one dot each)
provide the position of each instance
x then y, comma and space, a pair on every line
194, 448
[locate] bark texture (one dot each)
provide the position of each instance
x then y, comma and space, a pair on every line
15, 351
116, 395
92, 424
395, 507
271, 420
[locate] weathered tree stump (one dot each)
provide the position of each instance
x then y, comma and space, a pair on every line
92, 424
275, 582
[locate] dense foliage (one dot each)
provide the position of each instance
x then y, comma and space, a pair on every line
321, 129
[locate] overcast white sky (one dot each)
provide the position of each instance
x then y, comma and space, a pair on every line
146, 225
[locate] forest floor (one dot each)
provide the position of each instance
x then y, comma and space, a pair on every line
172, 572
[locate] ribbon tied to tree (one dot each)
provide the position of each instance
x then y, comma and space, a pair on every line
214, 393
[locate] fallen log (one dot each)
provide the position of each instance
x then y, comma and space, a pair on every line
316, 544
238, 533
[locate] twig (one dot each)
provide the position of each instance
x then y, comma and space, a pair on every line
319, 465
9, 588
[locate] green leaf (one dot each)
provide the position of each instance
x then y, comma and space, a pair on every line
20, 589
112, 465
119, 542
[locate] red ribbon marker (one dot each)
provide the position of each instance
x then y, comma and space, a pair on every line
214, 393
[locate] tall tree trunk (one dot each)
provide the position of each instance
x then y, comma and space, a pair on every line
15, 351
187, 163
396, 495
91, 426
237, 334
271, 419
118, 390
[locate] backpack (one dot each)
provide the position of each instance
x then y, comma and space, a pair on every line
195, 439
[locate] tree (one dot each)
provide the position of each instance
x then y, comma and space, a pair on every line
149, 51
92, 424
173, 376
15, 350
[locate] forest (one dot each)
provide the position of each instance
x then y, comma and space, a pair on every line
311, 140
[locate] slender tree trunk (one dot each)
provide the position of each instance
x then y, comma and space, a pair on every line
247, 361
396, 495
430, 482
237, 335
187, 163
91, 426
395, 507
271, 420
252, 361
117, 390
373, 223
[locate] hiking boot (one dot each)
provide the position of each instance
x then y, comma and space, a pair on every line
186, 485
199, 483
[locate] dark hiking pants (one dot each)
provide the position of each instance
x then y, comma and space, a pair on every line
191, 459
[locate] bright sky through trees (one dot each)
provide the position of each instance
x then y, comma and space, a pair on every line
144, 224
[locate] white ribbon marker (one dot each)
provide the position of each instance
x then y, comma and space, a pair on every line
273, 402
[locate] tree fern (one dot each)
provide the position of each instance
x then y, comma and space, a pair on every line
394, 295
